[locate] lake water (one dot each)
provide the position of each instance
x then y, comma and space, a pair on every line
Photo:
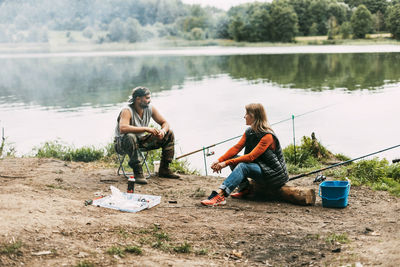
75, 97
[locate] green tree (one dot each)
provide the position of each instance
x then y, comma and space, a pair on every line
88, 32
236, 29
301, 7
197, 18
222, 26
393, 20
313, 31
338, 10
197, 34
378, 21
132, 30
333, 28
259, 23
116, 30
345, 30
320, 15
372, 5
283, 22
361, 22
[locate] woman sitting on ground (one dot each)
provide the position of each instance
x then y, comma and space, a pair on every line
262, 160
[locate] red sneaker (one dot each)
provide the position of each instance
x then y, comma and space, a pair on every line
241, 194
216, 200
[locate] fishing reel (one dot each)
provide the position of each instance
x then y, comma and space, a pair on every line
319, 178
209, 153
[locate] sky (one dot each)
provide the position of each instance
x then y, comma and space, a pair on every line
223, 4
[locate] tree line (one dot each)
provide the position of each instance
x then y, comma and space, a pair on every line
141, 20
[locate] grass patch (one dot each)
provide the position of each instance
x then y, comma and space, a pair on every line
202, 251
85, 263
183, 248
161, 245
6, 149
340, 238
120, 251
158, 239
54, 186
162, 236
10, 249
55, 149
122, 232
133, 250
312, 236
114, 250
199, 192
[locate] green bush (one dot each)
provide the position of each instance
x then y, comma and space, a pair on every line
377, 174
367, 171
55, 149
342, 157
309, 153
394, 171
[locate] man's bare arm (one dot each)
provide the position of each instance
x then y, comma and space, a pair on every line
125, 127
157, 117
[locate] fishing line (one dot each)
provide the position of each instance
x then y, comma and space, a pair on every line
342, 163
235, 137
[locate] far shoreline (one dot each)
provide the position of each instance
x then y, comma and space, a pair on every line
199, 51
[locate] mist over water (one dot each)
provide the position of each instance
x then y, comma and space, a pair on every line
77, 99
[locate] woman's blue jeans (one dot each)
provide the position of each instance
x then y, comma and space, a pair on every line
239, 175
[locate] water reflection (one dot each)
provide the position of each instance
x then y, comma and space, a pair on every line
64, 83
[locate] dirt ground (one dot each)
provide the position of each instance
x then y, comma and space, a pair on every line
43, 215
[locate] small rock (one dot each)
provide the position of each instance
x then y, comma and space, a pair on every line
237, 254
82, 254
41, 253
367, 230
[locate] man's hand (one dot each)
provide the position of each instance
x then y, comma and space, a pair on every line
218, 166
161, 134
153, 131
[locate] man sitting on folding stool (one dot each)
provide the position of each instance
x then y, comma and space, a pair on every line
133, 133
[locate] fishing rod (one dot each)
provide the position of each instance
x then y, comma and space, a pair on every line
208, 147
341, 163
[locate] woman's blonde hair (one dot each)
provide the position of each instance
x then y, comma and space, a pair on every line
257, 111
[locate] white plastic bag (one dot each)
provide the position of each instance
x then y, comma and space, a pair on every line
127, 202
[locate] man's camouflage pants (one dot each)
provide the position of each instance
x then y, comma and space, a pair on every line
131, 143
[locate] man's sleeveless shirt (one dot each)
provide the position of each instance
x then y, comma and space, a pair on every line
135, 119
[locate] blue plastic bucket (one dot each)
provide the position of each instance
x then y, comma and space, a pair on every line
334, 194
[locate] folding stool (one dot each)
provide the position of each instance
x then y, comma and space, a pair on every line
121, 158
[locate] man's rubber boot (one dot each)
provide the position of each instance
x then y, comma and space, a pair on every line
165, 172
139, 177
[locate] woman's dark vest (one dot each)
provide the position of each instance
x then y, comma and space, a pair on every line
271, 162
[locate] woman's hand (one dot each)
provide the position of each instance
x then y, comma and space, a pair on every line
218, 166
214, 164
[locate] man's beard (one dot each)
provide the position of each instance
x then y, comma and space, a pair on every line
144, 105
